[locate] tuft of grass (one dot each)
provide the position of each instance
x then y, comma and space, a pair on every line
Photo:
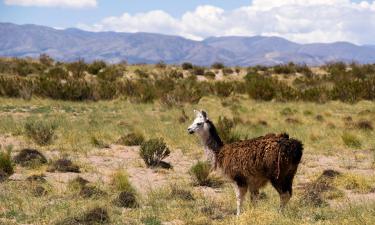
351, 140
6, 165
154, 151
355, 182
41, 132
98, 142
120, 180
131, 139
200, 173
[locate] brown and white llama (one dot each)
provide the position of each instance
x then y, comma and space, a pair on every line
251, 164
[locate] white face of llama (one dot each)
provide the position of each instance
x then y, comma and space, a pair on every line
198, 124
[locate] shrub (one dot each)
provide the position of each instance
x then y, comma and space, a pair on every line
364, 125
161, 65
77, 68
284, 69
260, 87
141, 73
218, 66
6, 165
228, 71
154, 151
40, 131
198, 70
45, 59
30, 158
210, 75
96, 66
351, 140
187, 66
63, 165
126, 199
131, 139
57, 73
225, 129
110, 73
223, 89
200, 172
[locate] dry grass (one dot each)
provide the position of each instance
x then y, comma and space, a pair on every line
177, 200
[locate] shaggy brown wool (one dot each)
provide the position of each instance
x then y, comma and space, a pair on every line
253, 162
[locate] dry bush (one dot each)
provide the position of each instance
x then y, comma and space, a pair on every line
30, 158
154, 151
364, 125
131, 139
41, 132
63, 165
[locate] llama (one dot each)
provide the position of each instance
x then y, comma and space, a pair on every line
251, 164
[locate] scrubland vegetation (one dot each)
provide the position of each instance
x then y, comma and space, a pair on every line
95, 143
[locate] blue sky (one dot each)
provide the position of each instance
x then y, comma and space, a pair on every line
70, 17
303, 21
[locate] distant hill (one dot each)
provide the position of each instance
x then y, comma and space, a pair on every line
71, 44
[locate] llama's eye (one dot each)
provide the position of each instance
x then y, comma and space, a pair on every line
199, 124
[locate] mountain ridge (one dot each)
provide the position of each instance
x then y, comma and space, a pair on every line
31, 40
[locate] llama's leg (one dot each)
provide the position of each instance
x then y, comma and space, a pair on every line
240, 195
284, 188
254, 196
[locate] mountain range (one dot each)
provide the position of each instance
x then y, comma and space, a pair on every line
71, 44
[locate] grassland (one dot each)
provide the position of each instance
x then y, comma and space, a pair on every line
84, 113
323, 128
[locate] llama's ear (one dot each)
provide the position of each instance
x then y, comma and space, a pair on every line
204, 114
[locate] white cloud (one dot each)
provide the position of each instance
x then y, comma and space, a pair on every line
297, 20
53, 3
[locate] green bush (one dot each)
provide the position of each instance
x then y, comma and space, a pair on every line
57, 73
154, 151
187, 66
200, 173
96, 66
223, 89
111, 73
218, 66
131, 139
40, 131
260, 87
77, 68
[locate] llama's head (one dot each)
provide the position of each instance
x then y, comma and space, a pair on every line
198, 125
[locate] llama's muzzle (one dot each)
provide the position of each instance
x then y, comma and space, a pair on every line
190, 131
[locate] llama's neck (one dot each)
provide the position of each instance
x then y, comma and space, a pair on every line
212, 142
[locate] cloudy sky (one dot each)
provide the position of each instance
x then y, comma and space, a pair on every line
303, 21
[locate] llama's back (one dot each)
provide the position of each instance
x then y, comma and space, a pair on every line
261, 156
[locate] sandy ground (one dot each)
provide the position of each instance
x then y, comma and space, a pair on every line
100, 164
